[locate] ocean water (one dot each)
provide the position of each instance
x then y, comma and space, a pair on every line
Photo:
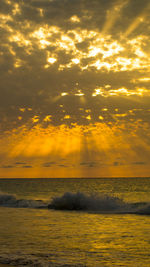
75, 222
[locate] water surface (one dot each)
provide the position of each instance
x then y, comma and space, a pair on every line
45, 237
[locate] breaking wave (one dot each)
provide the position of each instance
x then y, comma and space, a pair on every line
9, 200
99, 204
33, 260
79, 202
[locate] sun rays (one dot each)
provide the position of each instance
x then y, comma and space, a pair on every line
138, 20
112, 16
75, 92
98, 147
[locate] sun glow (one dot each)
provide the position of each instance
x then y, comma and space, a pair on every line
74, 86
77, 144
51, 60
64, 94
98, 91
76, 60
75, 19
144, 79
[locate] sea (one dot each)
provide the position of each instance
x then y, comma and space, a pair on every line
75, 222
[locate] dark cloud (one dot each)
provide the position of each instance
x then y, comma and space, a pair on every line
20, 163
49, 164
118, 163
83, 163
5, 7
62, 166
74, 88
7, 166
135, 8
26, 81
27, 166
90, 164
139, 163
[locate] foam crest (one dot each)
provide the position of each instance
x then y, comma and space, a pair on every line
99, 204
143, 209
80, 201
9, 200
33, 260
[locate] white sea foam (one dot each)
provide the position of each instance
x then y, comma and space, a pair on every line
33, 260
9, 200
79, 202
98, 204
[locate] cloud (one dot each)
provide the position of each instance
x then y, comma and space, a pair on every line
89, 164
67, 66
116, 163
49, 164
20, 163
27, 166
139, 163
83, 62
7, 166
62, 165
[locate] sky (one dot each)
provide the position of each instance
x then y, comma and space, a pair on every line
74, 88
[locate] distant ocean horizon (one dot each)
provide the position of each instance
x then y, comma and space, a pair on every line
100, 177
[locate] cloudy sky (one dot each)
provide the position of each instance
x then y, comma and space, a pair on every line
74, 88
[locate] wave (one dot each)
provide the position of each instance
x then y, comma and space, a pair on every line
9, 200
34, 260
99, 204
79, 202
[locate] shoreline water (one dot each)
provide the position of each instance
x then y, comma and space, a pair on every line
42, 237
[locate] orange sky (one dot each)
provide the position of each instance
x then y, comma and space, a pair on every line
75, 88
